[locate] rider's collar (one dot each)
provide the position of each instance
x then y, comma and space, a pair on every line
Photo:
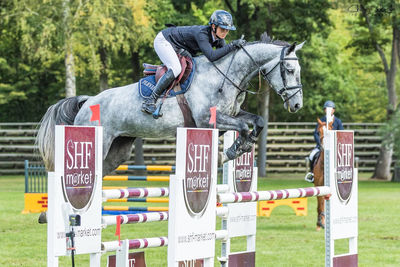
214, 39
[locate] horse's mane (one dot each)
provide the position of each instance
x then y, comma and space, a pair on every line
265, 38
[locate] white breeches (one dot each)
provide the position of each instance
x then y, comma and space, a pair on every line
313, 152
167, 54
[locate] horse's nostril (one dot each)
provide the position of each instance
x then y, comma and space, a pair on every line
297, 106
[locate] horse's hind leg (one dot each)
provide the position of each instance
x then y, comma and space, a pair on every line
119, 152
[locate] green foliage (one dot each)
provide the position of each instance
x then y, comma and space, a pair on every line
338, 61
27, 87
383, 17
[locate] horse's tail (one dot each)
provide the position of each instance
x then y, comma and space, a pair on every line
61, 113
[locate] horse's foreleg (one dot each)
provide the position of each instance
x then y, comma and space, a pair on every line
319, 181
321, 215
253, 119
226, 123
258, 125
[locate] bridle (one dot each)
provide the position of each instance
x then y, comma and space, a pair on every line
283, 91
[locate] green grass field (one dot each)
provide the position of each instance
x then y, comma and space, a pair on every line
282, 240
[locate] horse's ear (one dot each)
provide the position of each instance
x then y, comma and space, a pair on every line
300, 46
291, 48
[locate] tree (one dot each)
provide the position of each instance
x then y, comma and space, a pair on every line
284, 20
379, 18
27, 86
117, 28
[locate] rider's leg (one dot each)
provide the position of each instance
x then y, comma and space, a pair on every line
168, 56
149, 105
312, 157
310, 175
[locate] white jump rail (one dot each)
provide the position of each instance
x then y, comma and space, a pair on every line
135, 192
135, 218
193, 197
273, 194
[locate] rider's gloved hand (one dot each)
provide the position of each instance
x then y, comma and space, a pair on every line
238, 43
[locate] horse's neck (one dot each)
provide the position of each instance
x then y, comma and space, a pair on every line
244, 67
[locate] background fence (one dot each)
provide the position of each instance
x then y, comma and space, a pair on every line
287, 146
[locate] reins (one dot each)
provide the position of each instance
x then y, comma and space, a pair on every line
281, 92
227, 78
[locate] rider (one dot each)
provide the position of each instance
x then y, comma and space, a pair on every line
193, 39
337, 125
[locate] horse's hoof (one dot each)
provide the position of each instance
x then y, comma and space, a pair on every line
224, 157
247, 146
230, 154
320, 225
42, 218
318, 228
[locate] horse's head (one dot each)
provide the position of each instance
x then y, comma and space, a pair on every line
321, 129
283, 74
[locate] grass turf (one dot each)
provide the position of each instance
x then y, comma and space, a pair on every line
282, 239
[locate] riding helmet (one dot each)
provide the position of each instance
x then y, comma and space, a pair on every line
329, 104
222, 19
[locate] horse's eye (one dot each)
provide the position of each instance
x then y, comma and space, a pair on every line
291, 71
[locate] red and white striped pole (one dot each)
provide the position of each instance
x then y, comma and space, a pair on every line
136, 218
135, 192
152, 242
273, 194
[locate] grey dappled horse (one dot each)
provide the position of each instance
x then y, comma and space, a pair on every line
123, 121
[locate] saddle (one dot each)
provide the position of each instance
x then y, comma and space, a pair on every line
184, 78
160, 70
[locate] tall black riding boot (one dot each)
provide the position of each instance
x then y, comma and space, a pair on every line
149, 105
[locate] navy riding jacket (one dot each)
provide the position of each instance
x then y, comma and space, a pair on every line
195, 39
337, 125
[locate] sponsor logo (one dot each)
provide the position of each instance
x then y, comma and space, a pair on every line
243, 169
148, 84
191, 263
344, 165
79, 166
198, 170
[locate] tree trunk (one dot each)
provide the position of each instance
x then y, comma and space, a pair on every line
263, 109
70, 81
382, 168
104, 69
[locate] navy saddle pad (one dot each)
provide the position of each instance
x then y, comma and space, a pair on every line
147, 84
